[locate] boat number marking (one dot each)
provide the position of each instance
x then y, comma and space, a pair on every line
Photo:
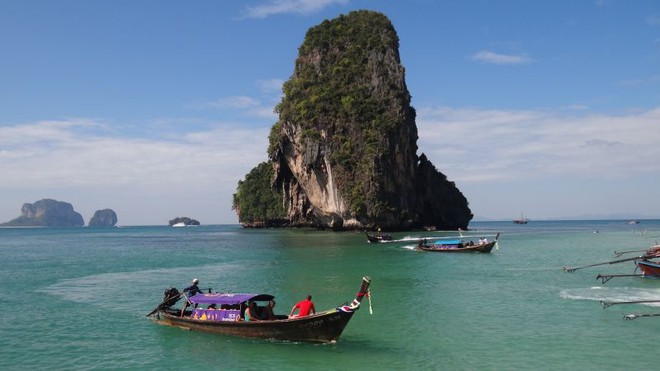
319, 322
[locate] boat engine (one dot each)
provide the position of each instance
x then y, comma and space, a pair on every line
170, 297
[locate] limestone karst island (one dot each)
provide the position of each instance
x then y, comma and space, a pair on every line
343, 152
53, 213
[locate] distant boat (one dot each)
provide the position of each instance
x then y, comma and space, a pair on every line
378, 238
180, 224
458, 245
522, 220
633, 222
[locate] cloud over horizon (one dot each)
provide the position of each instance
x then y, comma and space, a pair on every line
300, 7
486, 56
470, 145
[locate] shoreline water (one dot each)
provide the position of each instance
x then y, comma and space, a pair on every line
76, 298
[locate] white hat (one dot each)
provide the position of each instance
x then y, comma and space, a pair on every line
195, 281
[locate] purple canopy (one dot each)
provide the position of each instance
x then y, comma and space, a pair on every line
227, 298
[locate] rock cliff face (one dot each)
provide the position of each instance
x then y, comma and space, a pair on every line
344, 149
103, 218
47, 213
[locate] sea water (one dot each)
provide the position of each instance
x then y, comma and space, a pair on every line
76, 298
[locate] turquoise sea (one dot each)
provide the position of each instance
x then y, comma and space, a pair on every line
77, 298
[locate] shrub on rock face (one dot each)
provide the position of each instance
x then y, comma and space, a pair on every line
256, 201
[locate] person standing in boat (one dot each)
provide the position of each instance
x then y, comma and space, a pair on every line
193, 289
305, 307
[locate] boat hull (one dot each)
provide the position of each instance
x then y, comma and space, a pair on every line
323, 327
649, 269
484, 248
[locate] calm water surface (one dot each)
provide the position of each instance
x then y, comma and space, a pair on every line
77, 298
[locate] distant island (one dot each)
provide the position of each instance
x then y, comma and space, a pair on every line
53, 213
103, 218
183, 221
47, 213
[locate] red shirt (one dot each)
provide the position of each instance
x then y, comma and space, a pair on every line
305, 307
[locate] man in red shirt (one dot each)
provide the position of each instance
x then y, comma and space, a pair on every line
305, 307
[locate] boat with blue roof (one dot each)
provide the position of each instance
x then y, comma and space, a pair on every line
458, 245
224, 313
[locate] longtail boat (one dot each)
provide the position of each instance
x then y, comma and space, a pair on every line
227, 316
650, 269
378, 238
457, 245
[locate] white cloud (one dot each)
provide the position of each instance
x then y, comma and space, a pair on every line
653, 20
237, 102
70, 159
269, 86
247, 106
502, 59
302, 7
148, 180
480, 145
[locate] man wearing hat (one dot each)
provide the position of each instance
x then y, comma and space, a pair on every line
193, 289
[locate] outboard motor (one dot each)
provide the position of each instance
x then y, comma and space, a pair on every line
170, 297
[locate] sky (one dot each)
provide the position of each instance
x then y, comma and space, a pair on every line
157, 108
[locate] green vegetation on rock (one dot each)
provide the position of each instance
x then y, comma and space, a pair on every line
343, 87
343, 151
255, 200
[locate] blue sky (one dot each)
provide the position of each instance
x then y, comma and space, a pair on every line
157, 109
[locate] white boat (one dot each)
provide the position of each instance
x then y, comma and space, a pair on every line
179, 224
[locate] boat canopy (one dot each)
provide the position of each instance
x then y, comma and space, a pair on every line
227, 298
448, 242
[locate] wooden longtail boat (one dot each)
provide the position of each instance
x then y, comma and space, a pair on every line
458, 246
322, 327
378, 238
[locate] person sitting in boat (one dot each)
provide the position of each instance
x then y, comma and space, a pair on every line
305, 307
268, 313
251, 312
